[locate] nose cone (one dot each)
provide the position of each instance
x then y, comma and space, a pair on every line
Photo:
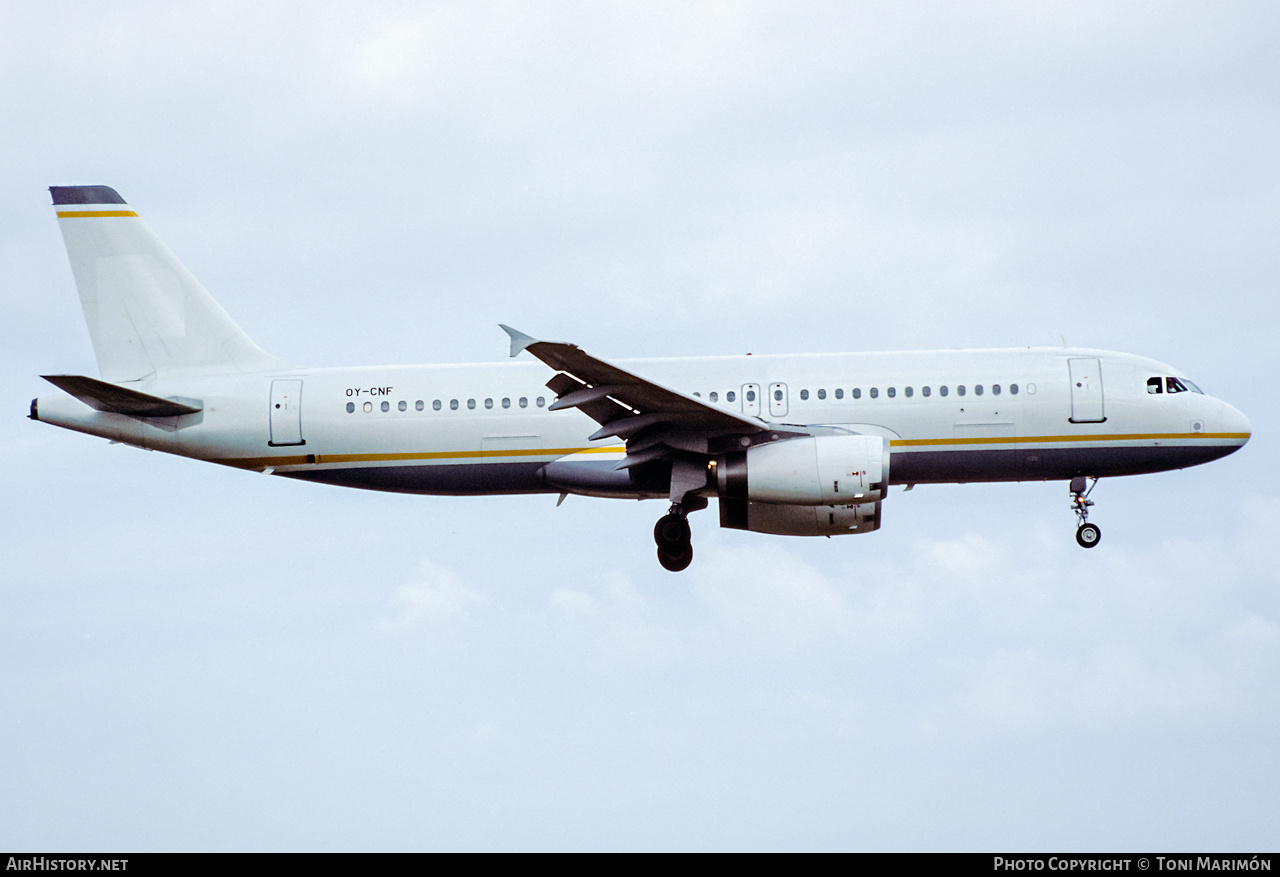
1235, 426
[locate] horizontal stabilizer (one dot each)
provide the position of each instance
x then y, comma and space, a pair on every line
121, 400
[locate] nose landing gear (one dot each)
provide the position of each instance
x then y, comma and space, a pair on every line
1087, 535
675, 550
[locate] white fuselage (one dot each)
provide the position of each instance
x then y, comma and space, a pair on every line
949, 416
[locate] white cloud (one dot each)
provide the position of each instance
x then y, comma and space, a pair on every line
766, 601
436, 600
617, 622
571, 602
1108, 689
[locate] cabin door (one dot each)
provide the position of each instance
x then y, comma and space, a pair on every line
1086, 390
286, 413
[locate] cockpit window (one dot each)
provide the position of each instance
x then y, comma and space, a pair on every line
1171, 384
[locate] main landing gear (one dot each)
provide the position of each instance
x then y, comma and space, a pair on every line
675, 548
1087, 535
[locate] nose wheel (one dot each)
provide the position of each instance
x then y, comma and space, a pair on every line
1087, 535
675, 548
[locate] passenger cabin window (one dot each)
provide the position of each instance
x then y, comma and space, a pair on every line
351, 406
435, 406
386, 406
839, 394
942, 391
1013, 389
892, 392
875, 392
488, 403
506, 402
1155, 385
857, 392
730, 396
524, 401
368, 406
960, 390
714, 396
804, 395
419, 405
403, 406
453, 404
909, 392
925, 391
541, 402
822, 394
977, 390
471, 403
995, 389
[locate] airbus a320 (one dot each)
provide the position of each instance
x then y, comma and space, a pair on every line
800, 445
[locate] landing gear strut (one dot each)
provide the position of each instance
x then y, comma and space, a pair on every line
675, 550
1087, 535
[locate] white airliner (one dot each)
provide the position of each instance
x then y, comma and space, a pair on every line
804, 445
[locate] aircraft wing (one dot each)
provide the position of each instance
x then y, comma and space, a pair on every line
653, 420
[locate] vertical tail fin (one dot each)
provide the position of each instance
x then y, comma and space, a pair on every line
147, 315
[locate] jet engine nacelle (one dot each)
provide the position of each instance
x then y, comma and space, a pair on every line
803, 520
811, 486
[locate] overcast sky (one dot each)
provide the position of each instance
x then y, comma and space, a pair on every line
201, 658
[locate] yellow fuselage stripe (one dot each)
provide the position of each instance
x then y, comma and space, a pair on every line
301, 459
69, 214
1048, 439
305, 459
